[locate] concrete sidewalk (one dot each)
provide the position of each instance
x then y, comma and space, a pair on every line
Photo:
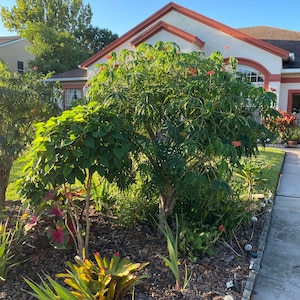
279, 273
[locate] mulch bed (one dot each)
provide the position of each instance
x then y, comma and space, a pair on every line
210, 275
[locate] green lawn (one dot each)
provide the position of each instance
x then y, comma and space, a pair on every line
15, 174
272, 157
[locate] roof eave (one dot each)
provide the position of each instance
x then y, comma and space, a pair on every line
191, 14
67, 79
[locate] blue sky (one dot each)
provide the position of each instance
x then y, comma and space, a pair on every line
119, 16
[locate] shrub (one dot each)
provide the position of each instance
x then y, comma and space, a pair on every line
107, 279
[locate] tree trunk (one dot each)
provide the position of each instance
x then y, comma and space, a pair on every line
167, 200
4, 177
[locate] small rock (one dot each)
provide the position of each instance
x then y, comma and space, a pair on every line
258, 196
228, 297
253, 254
228, 259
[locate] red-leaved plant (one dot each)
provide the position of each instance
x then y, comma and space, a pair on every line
285, 125
61, 229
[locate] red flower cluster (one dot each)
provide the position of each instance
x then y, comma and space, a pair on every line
285, 120
221, 228
283, 125
236, 143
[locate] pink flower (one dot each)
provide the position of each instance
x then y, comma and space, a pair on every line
211, 72
236, 143
221, 228
226, 47
108, 56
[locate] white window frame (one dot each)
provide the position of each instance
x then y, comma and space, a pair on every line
71, 95
254, 76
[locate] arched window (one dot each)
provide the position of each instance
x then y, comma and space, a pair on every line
254, 76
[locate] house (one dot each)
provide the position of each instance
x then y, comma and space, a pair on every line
268, 56
13, 52
72, 83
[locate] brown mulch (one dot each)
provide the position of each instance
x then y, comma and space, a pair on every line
209, 275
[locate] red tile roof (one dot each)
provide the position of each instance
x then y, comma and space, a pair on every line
282, 38
8, 39
193, 15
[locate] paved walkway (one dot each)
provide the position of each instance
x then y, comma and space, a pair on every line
279, 273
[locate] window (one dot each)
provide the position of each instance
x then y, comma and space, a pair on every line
254, 76
70, 95
20, 67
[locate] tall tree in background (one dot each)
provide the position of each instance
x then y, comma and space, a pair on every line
24, 100
60, 32
94, 39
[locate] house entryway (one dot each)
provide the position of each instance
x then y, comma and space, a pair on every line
294, 104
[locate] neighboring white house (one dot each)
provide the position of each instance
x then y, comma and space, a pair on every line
267, 55
13, 52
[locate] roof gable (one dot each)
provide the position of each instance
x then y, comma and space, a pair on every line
164, 26
161, 25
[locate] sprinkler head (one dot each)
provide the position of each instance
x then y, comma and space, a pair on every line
248, 248
254, 219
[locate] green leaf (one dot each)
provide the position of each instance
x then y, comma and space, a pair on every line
119, 152
103, 161
80, 175
67, 170
44, 291
89, 142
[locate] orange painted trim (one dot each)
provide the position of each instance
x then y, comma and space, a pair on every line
259, 67
291, 80
235, 33
161, 25
275, 77
253, 64
290, 100
72, 85
193, 15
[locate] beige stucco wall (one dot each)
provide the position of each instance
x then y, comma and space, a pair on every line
15, 51
214, 40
